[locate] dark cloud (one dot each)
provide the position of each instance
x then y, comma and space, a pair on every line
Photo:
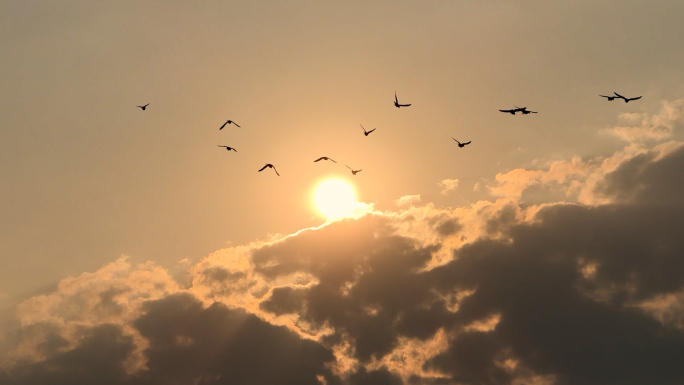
98, 359
558, 299
646, 179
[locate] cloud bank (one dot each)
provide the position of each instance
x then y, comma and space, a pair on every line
589, 290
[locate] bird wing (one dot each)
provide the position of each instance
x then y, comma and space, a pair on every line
395, 97
639, 97
404, 105
218, 145
321, 158
276, 171
233, 149
349, 167
372, 130
262, 169
468, 142
236, 124
506, 110
224, 124
332, 160
364, 130
605, 96
619, 96
456, 140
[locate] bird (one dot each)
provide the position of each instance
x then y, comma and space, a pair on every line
525, 111
228, 148
367, 132
461, 144
512, 111
324, 158
624, 98
228, 122
143, 107
610, 98
396, 102
271, 166
352, 170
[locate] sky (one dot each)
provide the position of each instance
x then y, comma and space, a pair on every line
135, 251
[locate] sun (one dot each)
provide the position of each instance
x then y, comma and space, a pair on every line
335, 199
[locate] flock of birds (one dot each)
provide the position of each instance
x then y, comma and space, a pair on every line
512, 111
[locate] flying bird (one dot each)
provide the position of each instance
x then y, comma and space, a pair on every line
610, 98
624, 98
143, 107
512, 111
396, 102
367, 132
352, 170
324, 158
228, 148
461, 144
525, 111
228, 122
270, 166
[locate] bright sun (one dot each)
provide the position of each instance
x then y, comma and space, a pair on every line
335, 199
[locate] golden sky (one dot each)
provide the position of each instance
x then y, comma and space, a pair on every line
146, 200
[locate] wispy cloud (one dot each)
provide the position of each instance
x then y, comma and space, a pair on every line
658, 126
448, 185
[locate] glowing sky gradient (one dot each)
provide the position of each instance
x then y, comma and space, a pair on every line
466, 261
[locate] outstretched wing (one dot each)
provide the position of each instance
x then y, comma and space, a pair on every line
639, 97
236, 124
364, 130
331, 160
218, 145
468, 142
262, 169
404, 105
604, 96
321, 158
456, 140
276, 171
369, 133
507, 111
618, 95
395, 97
224, 124
349, 167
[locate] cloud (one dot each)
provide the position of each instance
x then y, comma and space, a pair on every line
658, 126
497, 292
408, 200
448, 185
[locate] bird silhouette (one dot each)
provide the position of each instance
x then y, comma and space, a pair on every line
324, 158
228, 122
367, 132
396, 102
512, 111
143, 107
352, 170
624, 98
610, 98
270, 166
525, 111
461, 144
228, 148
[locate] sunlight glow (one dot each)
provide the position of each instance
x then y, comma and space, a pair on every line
335, 199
